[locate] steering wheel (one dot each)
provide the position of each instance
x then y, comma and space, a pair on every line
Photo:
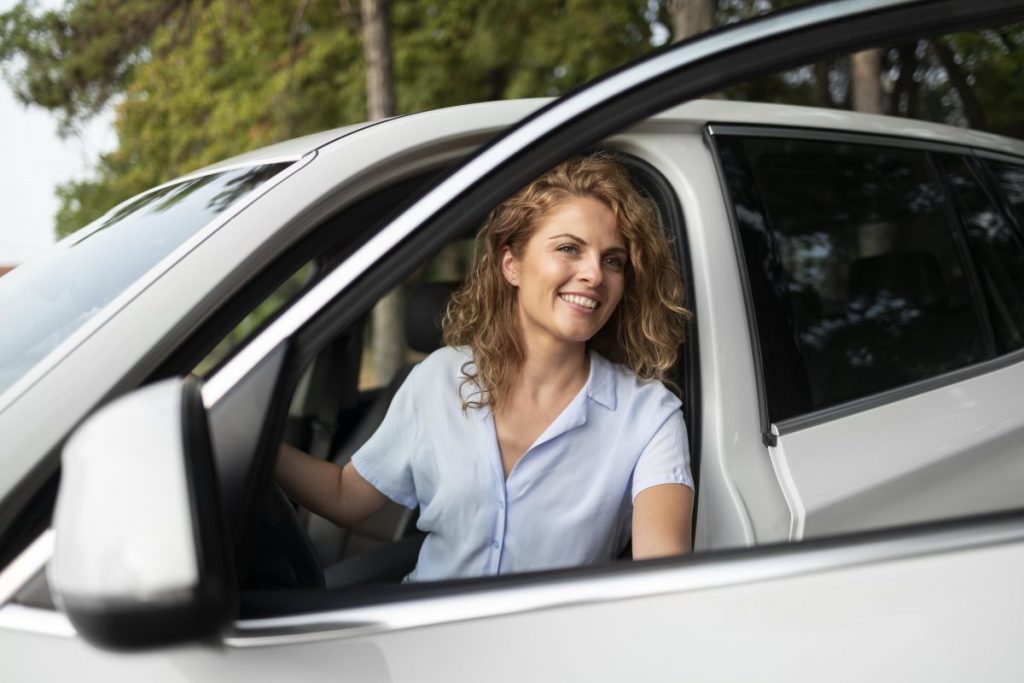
282, 556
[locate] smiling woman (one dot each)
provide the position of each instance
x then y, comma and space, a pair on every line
553, 368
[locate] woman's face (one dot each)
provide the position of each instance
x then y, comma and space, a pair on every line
571, 274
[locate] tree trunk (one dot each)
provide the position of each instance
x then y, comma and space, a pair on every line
973, 110
904, 92
380, 81
690, 17
388, 315
866, 81
822, 85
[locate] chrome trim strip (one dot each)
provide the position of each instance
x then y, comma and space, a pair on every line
631, 583
26, 565
55, 356
491, 159
34, 620
999, 156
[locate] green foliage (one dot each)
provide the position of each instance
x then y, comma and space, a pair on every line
196, 81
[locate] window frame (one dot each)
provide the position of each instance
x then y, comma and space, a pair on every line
772, 430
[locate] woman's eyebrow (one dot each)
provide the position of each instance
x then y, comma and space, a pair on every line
574, 238
583, 242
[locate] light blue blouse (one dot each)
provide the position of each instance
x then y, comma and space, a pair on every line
567, 502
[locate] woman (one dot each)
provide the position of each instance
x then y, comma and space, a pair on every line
541, 436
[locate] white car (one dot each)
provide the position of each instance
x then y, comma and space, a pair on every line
851, 384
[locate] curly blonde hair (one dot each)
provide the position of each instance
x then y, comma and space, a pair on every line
643, 333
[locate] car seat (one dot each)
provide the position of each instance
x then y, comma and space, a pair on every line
425, 305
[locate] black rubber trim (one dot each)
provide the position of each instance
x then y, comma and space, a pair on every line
216, 592
828, 135
768, 438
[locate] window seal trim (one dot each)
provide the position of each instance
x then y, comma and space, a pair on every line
831, 413
768, 436
712, 570
825, 135
590, 585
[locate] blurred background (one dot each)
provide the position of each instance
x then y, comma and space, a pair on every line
173, 85
137, 92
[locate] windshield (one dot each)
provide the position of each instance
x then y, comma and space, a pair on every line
44, 301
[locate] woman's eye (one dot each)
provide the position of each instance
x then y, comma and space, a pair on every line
615, 262
568, 248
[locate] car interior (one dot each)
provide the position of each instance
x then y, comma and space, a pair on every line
339, 402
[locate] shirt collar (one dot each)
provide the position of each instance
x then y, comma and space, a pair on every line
601, 383
600, 387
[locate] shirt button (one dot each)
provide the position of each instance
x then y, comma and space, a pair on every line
495, 546
501, 504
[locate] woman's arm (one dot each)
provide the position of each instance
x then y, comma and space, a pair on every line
661, 521
335, 493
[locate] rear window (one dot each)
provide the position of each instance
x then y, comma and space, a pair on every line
857, 274
46, 299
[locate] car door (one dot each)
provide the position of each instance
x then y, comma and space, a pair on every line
887, 398
729, 616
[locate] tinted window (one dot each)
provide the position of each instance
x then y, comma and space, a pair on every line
45, 300
996, 249
1011, 181
857, 280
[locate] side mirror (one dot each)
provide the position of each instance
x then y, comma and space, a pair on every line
141, 550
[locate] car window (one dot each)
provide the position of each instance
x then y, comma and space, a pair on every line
856, 276
996, 249
45, 300
252, 321
1010, 179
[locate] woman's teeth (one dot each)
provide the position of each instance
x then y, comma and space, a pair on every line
580, 300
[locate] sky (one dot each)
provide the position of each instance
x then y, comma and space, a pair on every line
33, 162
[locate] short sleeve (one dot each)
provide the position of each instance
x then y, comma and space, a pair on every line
386, 459
666, 457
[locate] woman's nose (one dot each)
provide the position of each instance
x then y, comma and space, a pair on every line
590, 270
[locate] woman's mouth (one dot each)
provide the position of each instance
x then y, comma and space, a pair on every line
581, 301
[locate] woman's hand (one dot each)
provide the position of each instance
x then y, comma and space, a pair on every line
661, 521
335, 493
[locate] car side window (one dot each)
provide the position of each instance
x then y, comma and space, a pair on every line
996, 249
857, 280
1010, 178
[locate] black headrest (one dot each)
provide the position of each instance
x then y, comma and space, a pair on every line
912, 276
424, 307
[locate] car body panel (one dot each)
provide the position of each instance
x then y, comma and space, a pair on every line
894, 609
952, 451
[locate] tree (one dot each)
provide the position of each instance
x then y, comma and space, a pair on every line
866, 86
389, 313
194, 81
690, 17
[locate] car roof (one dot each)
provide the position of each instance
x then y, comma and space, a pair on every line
837, 120
699, 112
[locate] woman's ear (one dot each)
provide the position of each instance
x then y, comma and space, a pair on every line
510, 267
